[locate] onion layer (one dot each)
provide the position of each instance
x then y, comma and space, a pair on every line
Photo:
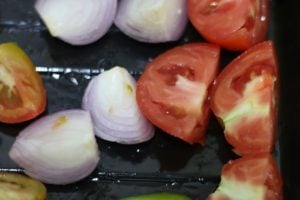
77, 22
111, 99
58, 149
152, 21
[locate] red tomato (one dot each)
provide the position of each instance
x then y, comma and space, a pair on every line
172, 92
22, 94
232, 24
254, 177
244, 98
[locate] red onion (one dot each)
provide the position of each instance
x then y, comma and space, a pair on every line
58, 149
152, 21
111, 99
77, 22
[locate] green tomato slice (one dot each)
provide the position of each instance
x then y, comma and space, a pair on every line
15, 186
158, 196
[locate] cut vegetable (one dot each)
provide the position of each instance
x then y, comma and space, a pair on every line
244, 98
58, 149
77, 22
158, 196
15, 186
22, 93
173, 90
248, 178
232, 24
111, 99
152, 21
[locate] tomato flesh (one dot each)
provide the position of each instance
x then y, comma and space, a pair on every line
22, 94
244, 98
232, 24
250, 177
172, 91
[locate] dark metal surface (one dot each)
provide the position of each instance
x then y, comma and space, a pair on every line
164, 163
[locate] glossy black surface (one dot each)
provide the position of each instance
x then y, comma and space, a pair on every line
164, 163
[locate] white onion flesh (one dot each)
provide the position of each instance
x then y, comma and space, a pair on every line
77, 22
111, 99
152, 21
59, 148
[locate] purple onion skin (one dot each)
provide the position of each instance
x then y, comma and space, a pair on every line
123, 125
82, 33
29, 150
172, 30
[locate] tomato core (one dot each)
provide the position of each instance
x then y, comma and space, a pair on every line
265, 71
171, 73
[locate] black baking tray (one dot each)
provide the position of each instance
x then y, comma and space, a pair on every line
164, 163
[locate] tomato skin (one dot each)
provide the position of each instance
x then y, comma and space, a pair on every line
249, 118
232, 24
22, 94
250, 177
172, 91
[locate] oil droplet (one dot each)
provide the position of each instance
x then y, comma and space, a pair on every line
95, 179
88, 77
74, 80
213, 4
56, 76
201, 180
173, 184
138, 150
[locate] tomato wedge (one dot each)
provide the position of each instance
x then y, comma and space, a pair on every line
15, 186
22, 94
172, 91
244, 98
252, 177
232, 24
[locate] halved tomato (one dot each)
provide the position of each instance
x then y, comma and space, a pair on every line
22, 94
244, 98
254, 177
232, 24
172, 91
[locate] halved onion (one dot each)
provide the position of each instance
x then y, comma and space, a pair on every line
77, 22
58, 149
111, 99
152, 21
